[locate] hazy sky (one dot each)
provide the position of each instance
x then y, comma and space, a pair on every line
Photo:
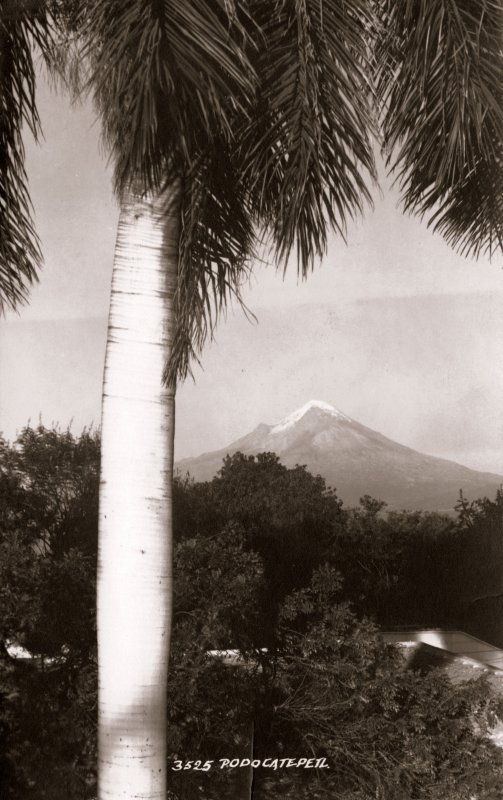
394, 329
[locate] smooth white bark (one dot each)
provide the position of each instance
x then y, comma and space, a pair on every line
135, 538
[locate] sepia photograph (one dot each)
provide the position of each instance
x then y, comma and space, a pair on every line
251, 399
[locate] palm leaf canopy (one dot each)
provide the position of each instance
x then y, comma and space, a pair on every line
440, 90
307, 153
296, 164
166, 77
24, 25
170, 80
269, 110
263, 108
266, 110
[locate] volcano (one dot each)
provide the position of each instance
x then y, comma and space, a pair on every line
355, 460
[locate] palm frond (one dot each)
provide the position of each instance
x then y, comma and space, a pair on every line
30, 31
295, 165
308, 152
440, 83
21, 26
216, 248
165, 76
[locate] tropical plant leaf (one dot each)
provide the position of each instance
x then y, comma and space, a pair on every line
308, 151
30, 31
216, 248
20, 255
440, 86
294, 165
165, 76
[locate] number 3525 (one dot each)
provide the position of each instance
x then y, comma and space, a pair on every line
199, 766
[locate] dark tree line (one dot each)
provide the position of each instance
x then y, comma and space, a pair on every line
268, 562
399, 567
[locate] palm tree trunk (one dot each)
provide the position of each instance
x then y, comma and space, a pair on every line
135, 536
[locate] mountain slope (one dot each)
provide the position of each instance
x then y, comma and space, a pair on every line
355, 460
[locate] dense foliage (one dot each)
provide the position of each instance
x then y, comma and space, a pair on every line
48, 519
389, 733
269, 564
400, 567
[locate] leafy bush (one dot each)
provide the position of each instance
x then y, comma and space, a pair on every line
337, 691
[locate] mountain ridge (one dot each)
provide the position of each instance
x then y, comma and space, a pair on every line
355, 460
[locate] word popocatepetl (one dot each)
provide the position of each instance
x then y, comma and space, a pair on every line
267, 763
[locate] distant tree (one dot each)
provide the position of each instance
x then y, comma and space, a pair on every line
450, 564
289, 516
398, 567
482, 511
393, 563
480, 577
260, 491
422, 568
195, 511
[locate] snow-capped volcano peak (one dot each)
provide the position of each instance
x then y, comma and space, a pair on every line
354, 459
295, 416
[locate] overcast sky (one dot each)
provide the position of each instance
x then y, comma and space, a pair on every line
394, 329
